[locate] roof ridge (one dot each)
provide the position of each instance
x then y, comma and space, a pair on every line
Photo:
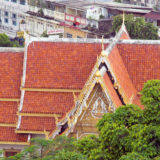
138, 41
69, 40
12, 49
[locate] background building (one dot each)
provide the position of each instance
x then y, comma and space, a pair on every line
11, 14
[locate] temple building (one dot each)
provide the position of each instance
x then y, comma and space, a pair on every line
56, 86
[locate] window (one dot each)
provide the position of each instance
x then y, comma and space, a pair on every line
79, 37
22, 2
6, 20
14, 23
14, 15
15, 1
69, 35
6, 13
8, 153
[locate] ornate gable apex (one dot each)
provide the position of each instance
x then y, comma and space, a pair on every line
87, 102
123, 33
116, 95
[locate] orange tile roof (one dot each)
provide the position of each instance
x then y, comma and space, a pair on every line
124, 36
112, 91
11, 71
8, 111
47, 102
60, 64
121, 73
37, 123
142, 62
8, 134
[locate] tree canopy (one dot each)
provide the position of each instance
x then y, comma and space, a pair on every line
137, 28
6, 42
127, 134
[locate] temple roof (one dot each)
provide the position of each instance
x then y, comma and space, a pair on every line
10, 80
11, 71
59, 64
142, 62
59, 73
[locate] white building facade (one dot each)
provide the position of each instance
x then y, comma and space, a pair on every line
11, 15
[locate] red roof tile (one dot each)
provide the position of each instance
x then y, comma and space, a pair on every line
60, 64
11, 71
124, 36
142, 62
153, 15
121, 73
8, 134
112, 91
37, 123
47, 102
8, 111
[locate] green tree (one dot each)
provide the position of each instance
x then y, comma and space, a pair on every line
44, 34
5, 41
137, 28
60, 148
129, 133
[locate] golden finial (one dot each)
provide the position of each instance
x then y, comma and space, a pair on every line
123, 18
98, 74
46, 134
116, 85
102, 43
75, 98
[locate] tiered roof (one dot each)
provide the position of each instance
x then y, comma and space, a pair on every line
51, 78
10, 80
59, 75
142, 61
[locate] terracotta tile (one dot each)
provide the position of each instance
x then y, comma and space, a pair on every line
8, 134
10, 74
8, 112
142, 62
47, 102
60, 65
37, 123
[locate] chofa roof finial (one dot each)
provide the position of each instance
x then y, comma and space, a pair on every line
102, 43
123, 18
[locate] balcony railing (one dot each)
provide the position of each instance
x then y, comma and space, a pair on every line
13, 7
76, 19
59, 15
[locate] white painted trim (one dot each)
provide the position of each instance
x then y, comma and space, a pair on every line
136, 41
21, 100
69, 40
19, 122
12, 50
29, 138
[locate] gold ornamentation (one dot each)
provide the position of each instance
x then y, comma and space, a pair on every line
46, 134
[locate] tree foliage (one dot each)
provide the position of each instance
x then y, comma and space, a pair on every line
5, 41
129, 133
60, 148
136, 27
